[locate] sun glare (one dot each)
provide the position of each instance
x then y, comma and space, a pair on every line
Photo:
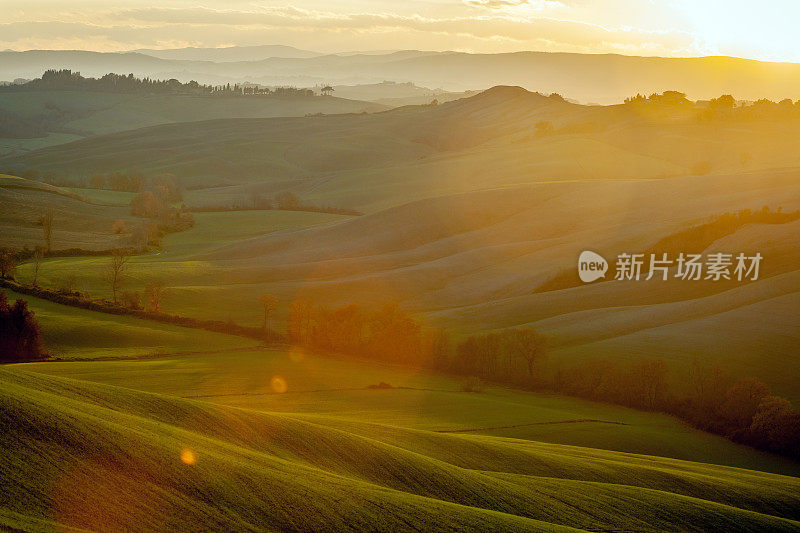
765, 31
188, 457
278, 384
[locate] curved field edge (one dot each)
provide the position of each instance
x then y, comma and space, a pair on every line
101, 457
72, 333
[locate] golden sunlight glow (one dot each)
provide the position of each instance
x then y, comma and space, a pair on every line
765, 31
188, 457
278, 384
675, 28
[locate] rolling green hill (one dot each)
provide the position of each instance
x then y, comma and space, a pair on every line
134, 353
71, 333
470, 209
70, 449
342, 389
71, 115
78, 222
397, 94
472, 262
373, 161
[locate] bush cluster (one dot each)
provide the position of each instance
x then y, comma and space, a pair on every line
20, 336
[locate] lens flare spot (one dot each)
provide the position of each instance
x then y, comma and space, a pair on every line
278, 384
188, 457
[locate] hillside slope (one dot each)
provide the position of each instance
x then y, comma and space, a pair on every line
470, 209
373, 161
70, 115
71, 333
110, 458
343, 389
77, 222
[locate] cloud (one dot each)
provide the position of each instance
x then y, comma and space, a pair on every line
489, 31
481, 26
503, 4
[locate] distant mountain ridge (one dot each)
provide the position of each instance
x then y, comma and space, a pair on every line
589, 78
229, 53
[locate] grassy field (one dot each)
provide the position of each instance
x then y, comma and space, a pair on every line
77, 222
469, 211
176, 262
72, 333
339, 388
93, 113
159, 462
477, 268
104, 196
375, 160
213, 230
12, 146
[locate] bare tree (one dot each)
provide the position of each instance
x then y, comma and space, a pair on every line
440, 349
144, 235
115, 273
269, 302
300, 321
46, 220
154, 295
258, 199
650, 376
530, 346
38, 255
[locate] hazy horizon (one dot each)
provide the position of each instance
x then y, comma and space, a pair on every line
657, 28
376, 52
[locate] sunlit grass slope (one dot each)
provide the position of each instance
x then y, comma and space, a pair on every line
77, 222
100, 457
376, 160
176, 262
340, 389
469, 211
104, 196
474, 261
73, 333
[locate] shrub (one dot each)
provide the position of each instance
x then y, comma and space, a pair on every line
472, 384
20, 336
287, 200
132, 299
8, 262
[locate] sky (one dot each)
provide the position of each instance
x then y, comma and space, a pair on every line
763, 30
